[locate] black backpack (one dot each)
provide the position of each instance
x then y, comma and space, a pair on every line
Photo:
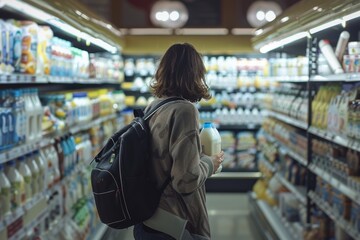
123, 190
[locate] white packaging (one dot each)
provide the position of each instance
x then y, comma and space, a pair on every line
5, 196
25, 171
34, 173
329, 55
210, 141
341, 45
17, 185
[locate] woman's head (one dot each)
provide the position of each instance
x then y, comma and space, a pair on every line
181, 72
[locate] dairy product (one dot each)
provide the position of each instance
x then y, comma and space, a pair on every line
43, 50
5, 192
17, 184
38, 112
29, 47
41, 165
341, 45
34, 172
18, 108
25, 171
15, 45
330, 56
210, 141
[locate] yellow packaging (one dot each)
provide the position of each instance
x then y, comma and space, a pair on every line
45, 35
29, 47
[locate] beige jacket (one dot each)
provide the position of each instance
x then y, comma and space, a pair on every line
176, 152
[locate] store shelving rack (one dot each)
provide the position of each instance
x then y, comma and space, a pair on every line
302, 17
64, 20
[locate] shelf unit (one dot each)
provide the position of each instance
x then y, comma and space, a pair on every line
339, 220
288, 35
88, 33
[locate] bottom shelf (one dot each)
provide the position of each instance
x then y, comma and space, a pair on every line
268, 220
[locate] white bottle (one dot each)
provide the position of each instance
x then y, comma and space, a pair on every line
25, 171
341, 45
329, 54
210, 141
38, 112
5, 192
30, 116
41, 165
34, 173
17, 185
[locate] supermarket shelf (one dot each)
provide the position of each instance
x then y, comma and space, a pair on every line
266, 216
299, 191
25, 78
18, 151
286, 224
268, 165
301, 79
76, 128
19, 212
237, 175
343, 188
288, 120
339, 220
100, 231
346, 77
238, 127
291, 153
343, 141
294, 155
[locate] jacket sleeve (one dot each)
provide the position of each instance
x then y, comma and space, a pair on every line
190, 168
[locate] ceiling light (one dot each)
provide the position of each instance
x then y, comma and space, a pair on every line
149, 31
276, 44
325, 26
261, 12
270, 16
259, 31
352, 16
243, 31
169, 14
284, 19
202, 31
174, 15
260, 15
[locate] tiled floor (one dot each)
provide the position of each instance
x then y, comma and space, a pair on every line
229, 219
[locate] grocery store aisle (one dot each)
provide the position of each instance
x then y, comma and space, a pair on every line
229, 215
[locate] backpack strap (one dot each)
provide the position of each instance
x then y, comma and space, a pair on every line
160, 104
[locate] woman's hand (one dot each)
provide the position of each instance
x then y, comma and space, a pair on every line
217, 159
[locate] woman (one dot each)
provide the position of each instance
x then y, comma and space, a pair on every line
176, 150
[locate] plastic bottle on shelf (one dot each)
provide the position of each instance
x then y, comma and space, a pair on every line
38, 109
210, 141
330, 56
34, 172
18, 107
41, 165
5, 192
30, 116
341, 45
25, 171
17, 185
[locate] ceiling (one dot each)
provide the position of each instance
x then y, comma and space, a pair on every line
202, 13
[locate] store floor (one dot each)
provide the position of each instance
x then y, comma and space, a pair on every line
229, 216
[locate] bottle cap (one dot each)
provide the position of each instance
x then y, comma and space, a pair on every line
207, 125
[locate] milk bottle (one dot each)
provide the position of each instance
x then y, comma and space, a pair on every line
5, 195
210, 141
17, 185
38, 110
34, 172
25, 171
41, 165
30, 116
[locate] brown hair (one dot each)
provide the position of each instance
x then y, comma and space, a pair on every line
181, 72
